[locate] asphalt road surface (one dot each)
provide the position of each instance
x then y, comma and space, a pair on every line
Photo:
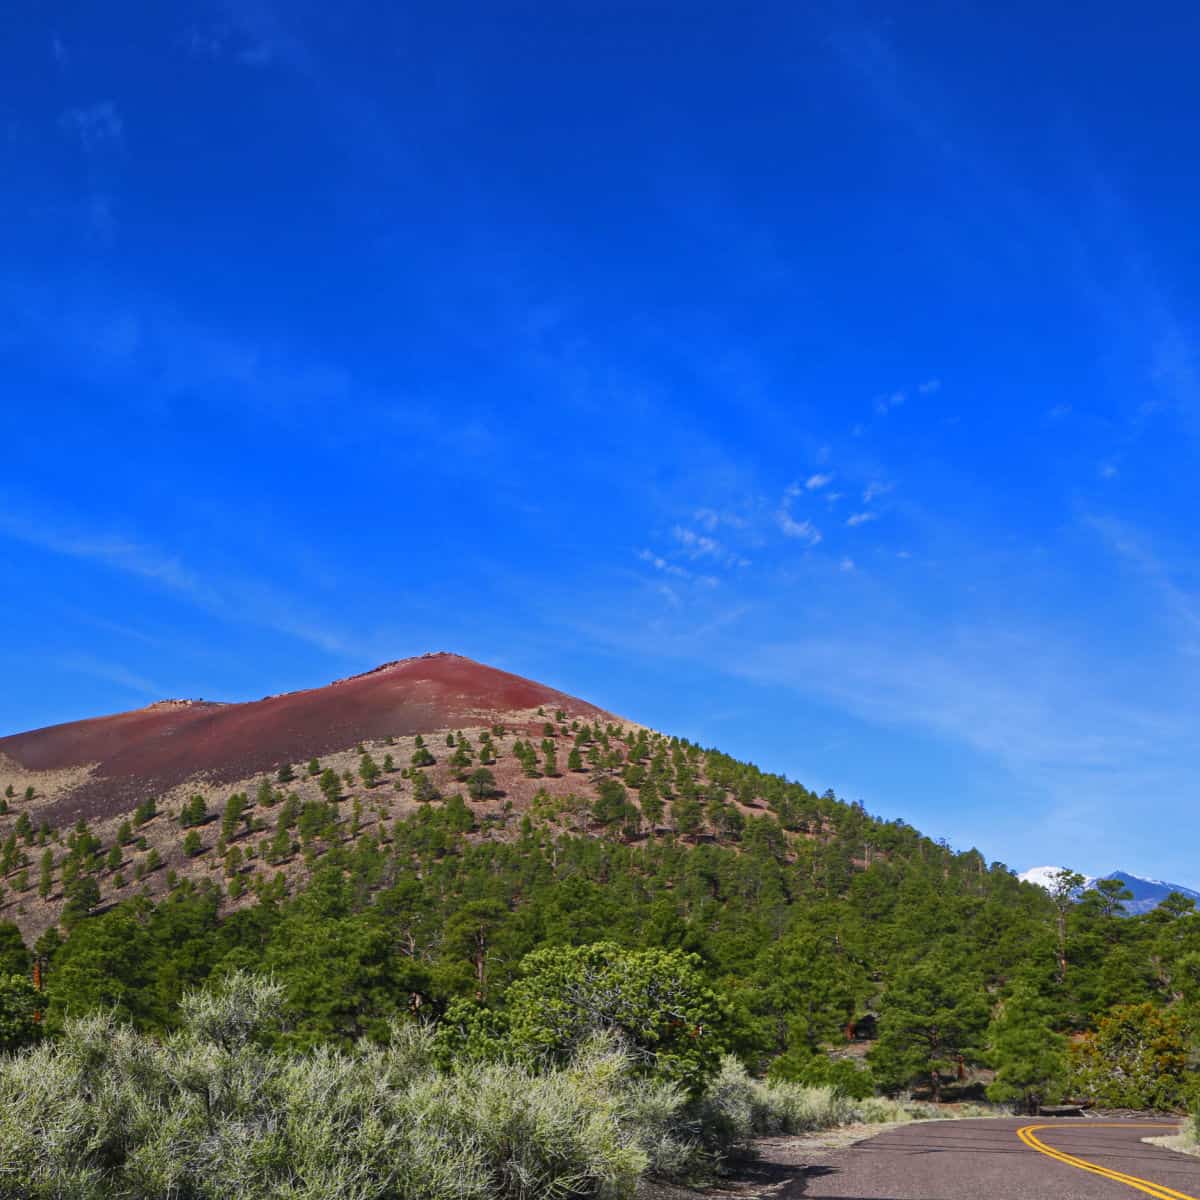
1006, 1159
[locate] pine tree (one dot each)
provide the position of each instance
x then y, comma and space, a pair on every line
460, 760
81, 898
651, 803
233, 816
279, 848
46, 875
194, 812
368, 771
423, 789
481, 784
1029, 1056
932, 1014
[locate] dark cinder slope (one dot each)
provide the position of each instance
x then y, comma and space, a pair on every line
146, 752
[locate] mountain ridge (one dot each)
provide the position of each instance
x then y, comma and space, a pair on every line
1147, 893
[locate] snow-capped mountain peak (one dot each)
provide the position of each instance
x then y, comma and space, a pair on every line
1044, 877
1148, 894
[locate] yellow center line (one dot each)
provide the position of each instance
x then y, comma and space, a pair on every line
1027, 1134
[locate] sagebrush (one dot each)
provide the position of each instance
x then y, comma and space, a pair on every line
217, 1110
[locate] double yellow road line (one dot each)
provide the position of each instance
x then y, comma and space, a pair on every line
1028, 1134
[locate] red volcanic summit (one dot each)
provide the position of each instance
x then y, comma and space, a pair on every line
125, 758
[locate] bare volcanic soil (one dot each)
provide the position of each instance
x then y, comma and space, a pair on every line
125, 758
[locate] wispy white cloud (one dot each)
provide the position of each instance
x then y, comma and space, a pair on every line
711, 519
668, 593
100, 218
1107, 470
815, 482
1132, 546
875, 489
223, 41
129, 339
885, 404
661, 564
861, 518
97, 126
110, 672
1174, 367
847, 565
697, 545
242, 599
929, 386
804, 531
1014, 695
120, 553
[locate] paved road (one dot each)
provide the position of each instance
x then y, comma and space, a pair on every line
965, 1160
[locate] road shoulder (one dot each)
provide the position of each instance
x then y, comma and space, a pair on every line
1181, 1142
777, 1170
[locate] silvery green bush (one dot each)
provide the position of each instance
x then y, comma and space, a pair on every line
212, 1111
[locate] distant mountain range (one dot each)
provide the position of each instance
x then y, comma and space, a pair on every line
1148, 894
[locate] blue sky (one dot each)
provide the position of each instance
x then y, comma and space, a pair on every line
819, 382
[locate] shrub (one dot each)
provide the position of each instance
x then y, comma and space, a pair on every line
654, 1000
19, 1001
211, 1113
1136, 1058
814, 1069
737, 1108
